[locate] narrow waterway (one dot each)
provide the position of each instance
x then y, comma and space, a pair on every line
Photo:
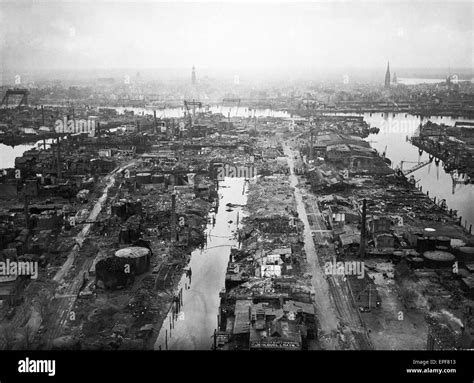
394, 130
193, 327
393, 133
9, 153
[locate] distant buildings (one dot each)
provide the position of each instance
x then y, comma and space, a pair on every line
193, 76
452, 82
387, 76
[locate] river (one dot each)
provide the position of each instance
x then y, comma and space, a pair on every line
394, 129
193, 327
9, 153
235, 111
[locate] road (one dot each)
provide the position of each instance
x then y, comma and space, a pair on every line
340, 322
110, 179
352, 326
63, 301
328, 321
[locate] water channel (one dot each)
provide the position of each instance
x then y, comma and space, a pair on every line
192, 328
394, 130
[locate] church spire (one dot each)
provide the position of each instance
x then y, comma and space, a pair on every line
387, 76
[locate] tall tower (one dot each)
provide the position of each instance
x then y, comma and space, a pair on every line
193, 76
387, 76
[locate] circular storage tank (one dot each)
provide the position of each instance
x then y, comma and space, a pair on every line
416, 262
143, 178
439, 258
138, 256
456, 243
157, 179
429, 231
466, 253
426, 244
431, 244
443, 241
421, 244
398, 254
412, 253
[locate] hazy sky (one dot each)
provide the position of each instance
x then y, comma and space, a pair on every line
145, 34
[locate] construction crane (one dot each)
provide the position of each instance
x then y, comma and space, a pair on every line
16, 92
415, 168
192, 103
191, 117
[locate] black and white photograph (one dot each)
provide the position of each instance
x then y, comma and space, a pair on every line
223, 176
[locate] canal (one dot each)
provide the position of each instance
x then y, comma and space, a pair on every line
394, 130
9, 153
192, 328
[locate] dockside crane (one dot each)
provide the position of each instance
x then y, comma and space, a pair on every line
16, 92
193, 104
418, 166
